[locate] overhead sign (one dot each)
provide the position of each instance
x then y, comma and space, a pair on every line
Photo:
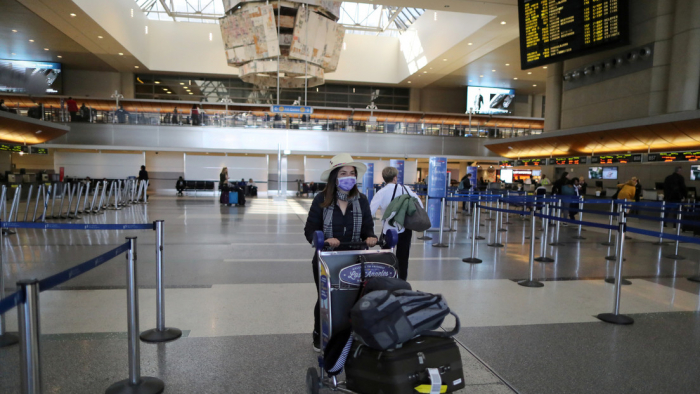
560, 161
552, 31
670, 157
622, 159
532, 162
291, 109
399, 165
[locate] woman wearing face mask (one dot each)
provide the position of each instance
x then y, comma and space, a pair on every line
342, 213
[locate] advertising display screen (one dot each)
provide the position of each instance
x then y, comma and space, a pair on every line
610, 173
483, 100
695, 173
556, 30
507, 176
595, 173
536, 172
18, 76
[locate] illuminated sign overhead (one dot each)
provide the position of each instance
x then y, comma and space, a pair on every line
613, 159
568, 161
670, 157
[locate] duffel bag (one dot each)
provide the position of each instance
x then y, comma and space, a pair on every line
385, 319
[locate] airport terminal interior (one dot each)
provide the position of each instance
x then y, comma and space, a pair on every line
171, 169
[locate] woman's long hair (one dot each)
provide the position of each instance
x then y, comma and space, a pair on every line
331, 189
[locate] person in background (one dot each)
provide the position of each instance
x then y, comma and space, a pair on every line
121, 114
143, 174
528, 181
84, 113
465, 186
675, 191
223, 178
382, 200
180, 185
545, 181
572, 191
582, 185
242, 184
342, 213
195, 115
559, 184
3, 107
638, 191
174, 117
627, 190
72, 109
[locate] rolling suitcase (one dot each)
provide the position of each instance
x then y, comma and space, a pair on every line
406, 370
232, 198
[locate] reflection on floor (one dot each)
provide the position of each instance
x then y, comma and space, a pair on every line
239, 284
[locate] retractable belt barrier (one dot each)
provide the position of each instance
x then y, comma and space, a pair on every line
27, 301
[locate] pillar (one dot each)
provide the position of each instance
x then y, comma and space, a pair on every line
555, 84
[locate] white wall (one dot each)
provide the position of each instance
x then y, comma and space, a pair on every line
209, 167
82, 83
368, 59
314, 168
98, 165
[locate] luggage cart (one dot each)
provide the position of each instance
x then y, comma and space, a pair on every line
338, 284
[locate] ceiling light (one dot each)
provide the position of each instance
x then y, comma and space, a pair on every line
515, 79
72, 15
530, 73
409, 81
481, 76
545, 67
508, 64
136, 66
444, 60
425, 72
157, 81
503, 23
31, 40
132, 12
493, 71
15, 53
211, 37
182, 83
38, 131
100, 37
14, 31
170, 92
121, 54
345, 46
534, 86
146, 29
191, 93
166, 89
469, 43
470, 80
59, 56
46, 49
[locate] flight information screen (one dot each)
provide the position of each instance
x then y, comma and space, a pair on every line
556, 30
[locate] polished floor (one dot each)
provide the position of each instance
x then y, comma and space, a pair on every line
239, 284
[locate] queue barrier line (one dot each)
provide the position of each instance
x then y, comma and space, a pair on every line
66, 275
665, 220
10, 302
514, 212
577, 222
563, 208
673, 237
77, 226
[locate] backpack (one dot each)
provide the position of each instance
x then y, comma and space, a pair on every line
568, 190
385, 319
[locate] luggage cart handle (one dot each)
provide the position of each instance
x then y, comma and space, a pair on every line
391, 237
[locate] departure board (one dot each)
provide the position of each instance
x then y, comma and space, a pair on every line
556, 30
568, 161
621, 159
532, 162
670, 157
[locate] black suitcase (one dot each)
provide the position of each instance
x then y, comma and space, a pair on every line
400, 371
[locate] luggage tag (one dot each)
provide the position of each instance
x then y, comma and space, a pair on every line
435, 386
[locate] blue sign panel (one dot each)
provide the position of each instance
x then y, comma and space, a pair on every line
474, 171
368, 182
291, 109
437, 188
398, 164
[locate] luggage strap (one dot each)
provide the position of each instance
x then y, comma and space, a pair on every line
446, 334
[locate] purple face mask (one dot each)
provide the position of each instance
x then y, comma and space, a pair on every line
346, 184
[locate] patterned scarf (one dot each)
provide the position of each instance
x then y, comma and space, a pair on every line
356, 217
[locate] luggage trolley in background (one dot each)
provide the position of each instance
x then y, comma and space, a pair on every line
339, 276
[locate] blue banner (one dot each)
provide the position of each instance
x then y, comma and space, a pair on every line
399, 165
291, 109
475, 172
437, 188
368, 182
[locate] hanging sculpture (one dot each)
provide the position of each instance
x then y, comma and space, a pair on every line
290, 40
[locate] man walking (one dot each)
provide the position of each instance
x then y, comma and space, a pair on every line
674, 191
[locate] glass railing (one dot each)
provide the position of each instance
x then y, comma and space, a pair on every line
247, 119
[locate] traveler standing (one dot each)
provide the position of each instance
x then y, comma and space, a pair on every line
174, 117
465, 186
545, 181
180, 185
195, 115
223, 178
571, 190
342, 213
143, 174
560, 183
84, 113
674, 191
382, 199
72, 109
582, 185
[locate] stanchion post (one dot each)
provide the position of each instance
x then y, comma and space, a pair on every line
475, 227
6, 338
559, 211
613, 257
661, 224
494, 243
28, 322
478, 220
531, 282
679, 217
135, 383
160, 333
39, 191
580, 226
616, 317
545, 236
29, 202
440, 244
500, 221
610, 223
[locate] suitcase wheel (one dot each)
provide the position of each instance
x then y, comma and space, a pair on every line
312, 381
